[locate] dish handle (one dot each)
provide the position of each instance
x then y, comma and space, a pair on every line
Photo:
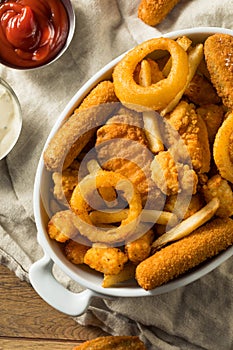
54, 293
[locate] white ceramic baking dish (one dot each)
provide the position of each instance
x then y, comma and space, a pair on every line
41, 275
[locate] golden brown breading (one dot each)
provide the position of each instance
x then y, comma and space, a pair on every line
152, 12
75, 252
230, 148
60, 226
121, 146
139, 249
201, 92
108, 260
65, 182
213, 116
78, 130
113, 342
218, 50
193, 132
179, 257
219, 187
170, 176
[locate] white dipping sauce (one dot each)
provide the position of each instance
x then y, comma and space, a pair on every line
10, 121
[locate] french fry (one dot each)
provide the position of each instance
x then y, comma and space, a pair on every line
152, 131
189, 225
114, 216
156, 73
195, 56
126, 274
149, 118
161, 217
93, 166
149, 72
108, 217
185, 43
145, 74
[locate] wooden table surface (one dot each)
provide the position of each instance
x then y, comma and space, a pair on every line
27, 322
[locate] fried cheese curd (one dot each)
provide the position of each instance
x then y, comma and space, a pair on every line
108, 260
61, 227
189, 164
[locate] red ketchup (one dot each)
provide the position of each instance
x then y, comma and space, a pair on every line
32, 32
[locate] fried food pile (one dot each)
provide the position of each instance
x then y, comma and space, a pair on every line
141, 172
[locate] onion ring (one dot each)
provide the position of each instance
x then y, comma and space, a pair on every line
221, 148
80, 207
156, 96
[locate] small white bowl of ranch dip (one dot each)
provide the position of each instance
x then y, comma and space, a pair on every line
10, 118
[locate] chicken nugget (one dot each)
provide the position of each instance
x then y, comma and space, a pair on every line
218, 187
113, 342
78, 130
218, 51
213, 117
194, 135
200, 91
152, 12
108, 260
75, 251
60, 226
139, 249
181, 256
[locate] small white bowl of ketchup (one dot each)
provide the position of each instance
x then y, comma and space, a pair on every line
34, 33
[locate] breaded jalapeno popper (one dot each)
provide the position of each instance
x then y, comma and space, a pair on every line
179, 257
78, 130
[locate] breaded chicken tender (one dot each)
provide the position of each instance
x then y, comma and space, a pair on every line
78, 130
121, 146
108, 260
112, 342
193, 132
170, 176
213, 117
218, 50
185, 254
219, 187
60, 226
201, 92
75, 252
152, 12
139, 249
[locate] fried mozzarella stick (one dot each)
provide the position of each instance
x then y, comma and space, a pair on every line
152, 12
179, 257
218, 50
113, 342
78, 130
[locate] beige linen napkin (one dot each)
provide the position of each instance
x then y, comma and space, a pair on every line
199, 316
